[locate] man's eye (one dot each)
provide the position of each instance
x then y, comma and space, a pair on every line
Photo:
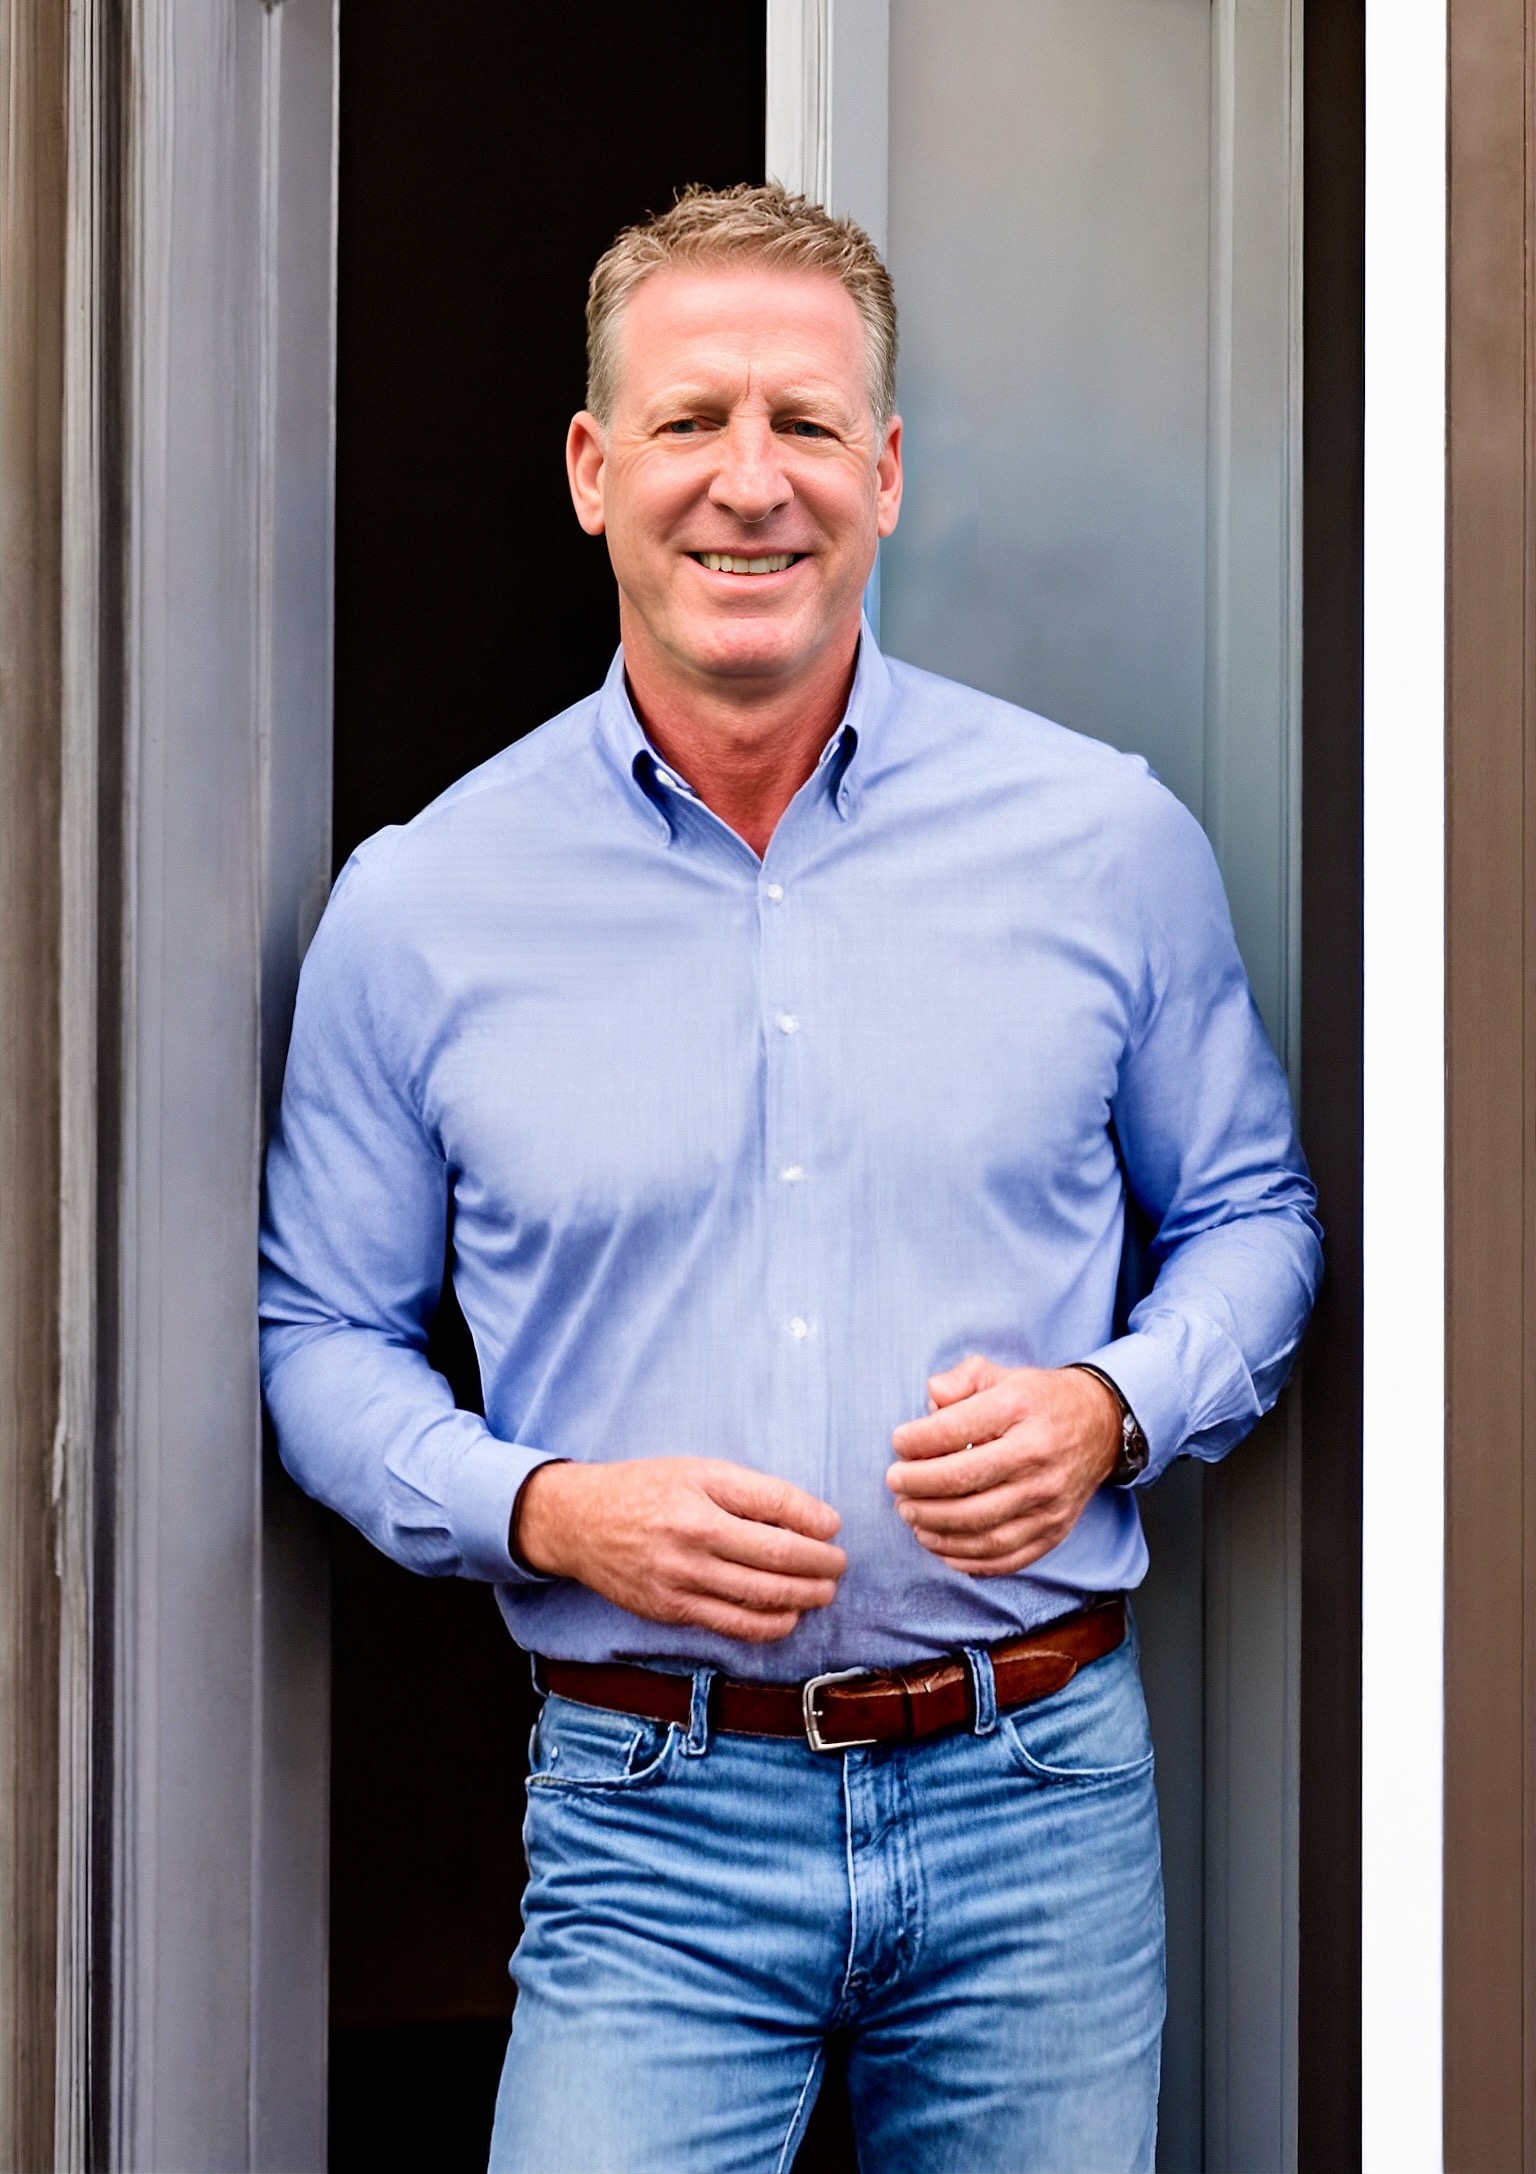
809, 430
684, 427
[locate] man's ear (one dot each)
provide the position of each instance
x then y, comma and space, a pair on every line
888, 475
585, 453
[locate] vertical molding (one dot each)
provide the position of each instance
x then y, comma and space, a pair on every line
827, 122
33, 91
798, 143
1490, 1550
87, 286
211, 1642
290, 1869
828, 105
1253, 615
1251, 812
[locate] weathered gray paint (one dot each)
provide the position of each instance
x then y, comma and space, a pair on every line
33, 56
218, 1866
1093, 229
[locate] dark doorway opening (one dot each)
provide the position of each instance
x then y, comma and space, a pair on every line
488, 154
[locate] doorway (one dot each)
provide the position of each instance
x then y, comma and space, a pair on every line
476, 191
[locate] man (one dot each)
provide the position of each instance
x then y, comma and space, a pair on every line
785, 1031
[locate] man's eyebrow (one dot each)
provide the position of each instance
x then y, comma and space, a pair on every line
716, 392
705, 393
808, 396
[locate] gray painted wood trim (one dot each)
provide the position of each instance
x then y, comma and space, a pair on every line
79, 1047
829, 104
33, 63
291, 1855
218, 1633
1253, 815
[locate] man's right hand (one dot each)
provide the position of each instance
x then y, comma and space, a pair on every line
683, 1540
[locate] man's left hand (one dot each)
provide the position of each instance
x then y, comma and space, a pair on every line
1004, 1465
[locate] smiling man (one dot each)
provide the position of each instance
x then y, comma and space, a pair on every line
784, 1034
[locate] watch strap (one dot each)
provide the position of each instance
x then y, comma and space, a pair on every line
1135, 1449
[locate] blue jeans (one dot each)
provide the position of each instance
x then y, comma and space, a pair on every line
980, 1914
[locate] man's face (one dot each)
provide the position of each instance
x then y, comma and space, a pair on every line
742, 438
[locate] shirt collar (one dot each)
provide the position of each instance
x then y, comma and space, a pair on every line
845, 761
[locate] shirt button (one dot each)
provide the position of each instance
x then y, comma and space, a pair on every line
799, 1329
792, 1173
775, 891
788, 1023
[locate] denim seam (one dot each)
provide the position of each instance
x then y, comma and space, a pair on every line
643, 1777
790, 2136
853, 1891
1077, 1777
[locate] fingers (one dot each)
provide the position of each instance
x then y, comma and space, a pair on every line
975, 1551
1003, 1566
1008, 1547
975, 1418
769, 1547
976, 1514
729, 1622
766, 1500
757, 1590
731, 1598
972, 1373
962, 1472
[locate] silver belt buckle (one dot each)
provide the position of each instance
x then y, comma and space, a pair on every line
813, 1735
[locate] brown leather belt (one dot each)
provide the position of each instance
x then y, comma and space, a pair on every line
853, 1707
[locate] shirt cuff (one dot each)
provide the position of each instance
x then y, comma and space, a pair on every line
1147, 1376
484, 1492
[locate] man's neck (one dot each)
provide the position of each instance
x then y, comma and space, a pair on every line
745, 746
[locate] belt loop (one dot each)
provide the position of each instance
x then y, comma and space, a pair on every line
696, 1743
983, 1690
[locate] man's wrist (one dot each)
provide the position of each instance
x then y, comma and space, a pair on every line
532, 1539
1134, 1450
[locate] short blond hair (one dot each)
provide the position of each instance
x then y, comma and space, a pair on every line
764, 225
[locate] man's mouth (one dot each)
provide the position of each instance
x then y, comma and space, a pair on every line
722, 562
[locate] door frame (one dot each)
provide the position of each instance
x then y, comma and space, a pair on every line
1489, 1902
195, 265
190, 1981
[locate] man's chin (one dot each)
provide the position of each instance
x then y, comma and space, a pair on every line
753, 648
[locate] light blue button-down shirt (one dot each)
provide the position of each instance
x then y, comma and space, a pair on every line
738, 1153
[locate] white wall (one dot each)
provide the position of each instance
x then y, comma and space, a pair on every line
1404, 1053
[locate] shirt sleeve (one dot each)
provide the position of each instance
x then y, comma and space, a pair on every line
1209, 1146
352, 1255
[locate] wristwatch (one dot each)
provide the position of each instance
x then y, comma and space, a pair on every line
1135, 1449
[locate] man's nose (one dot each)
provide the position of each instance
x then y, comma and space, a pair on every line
749, 481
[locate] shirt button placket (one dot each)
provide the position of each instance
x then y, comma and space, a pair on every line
790, 1297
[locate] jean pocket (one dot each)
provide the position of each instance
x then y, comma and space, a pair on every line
1093, 1731
579, 1748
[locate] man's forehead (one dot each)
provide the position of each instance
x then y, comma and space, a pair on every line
777, 376
736, 311
737, 331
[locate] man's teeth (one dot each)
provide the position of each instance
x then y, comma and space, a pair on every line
719, 562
